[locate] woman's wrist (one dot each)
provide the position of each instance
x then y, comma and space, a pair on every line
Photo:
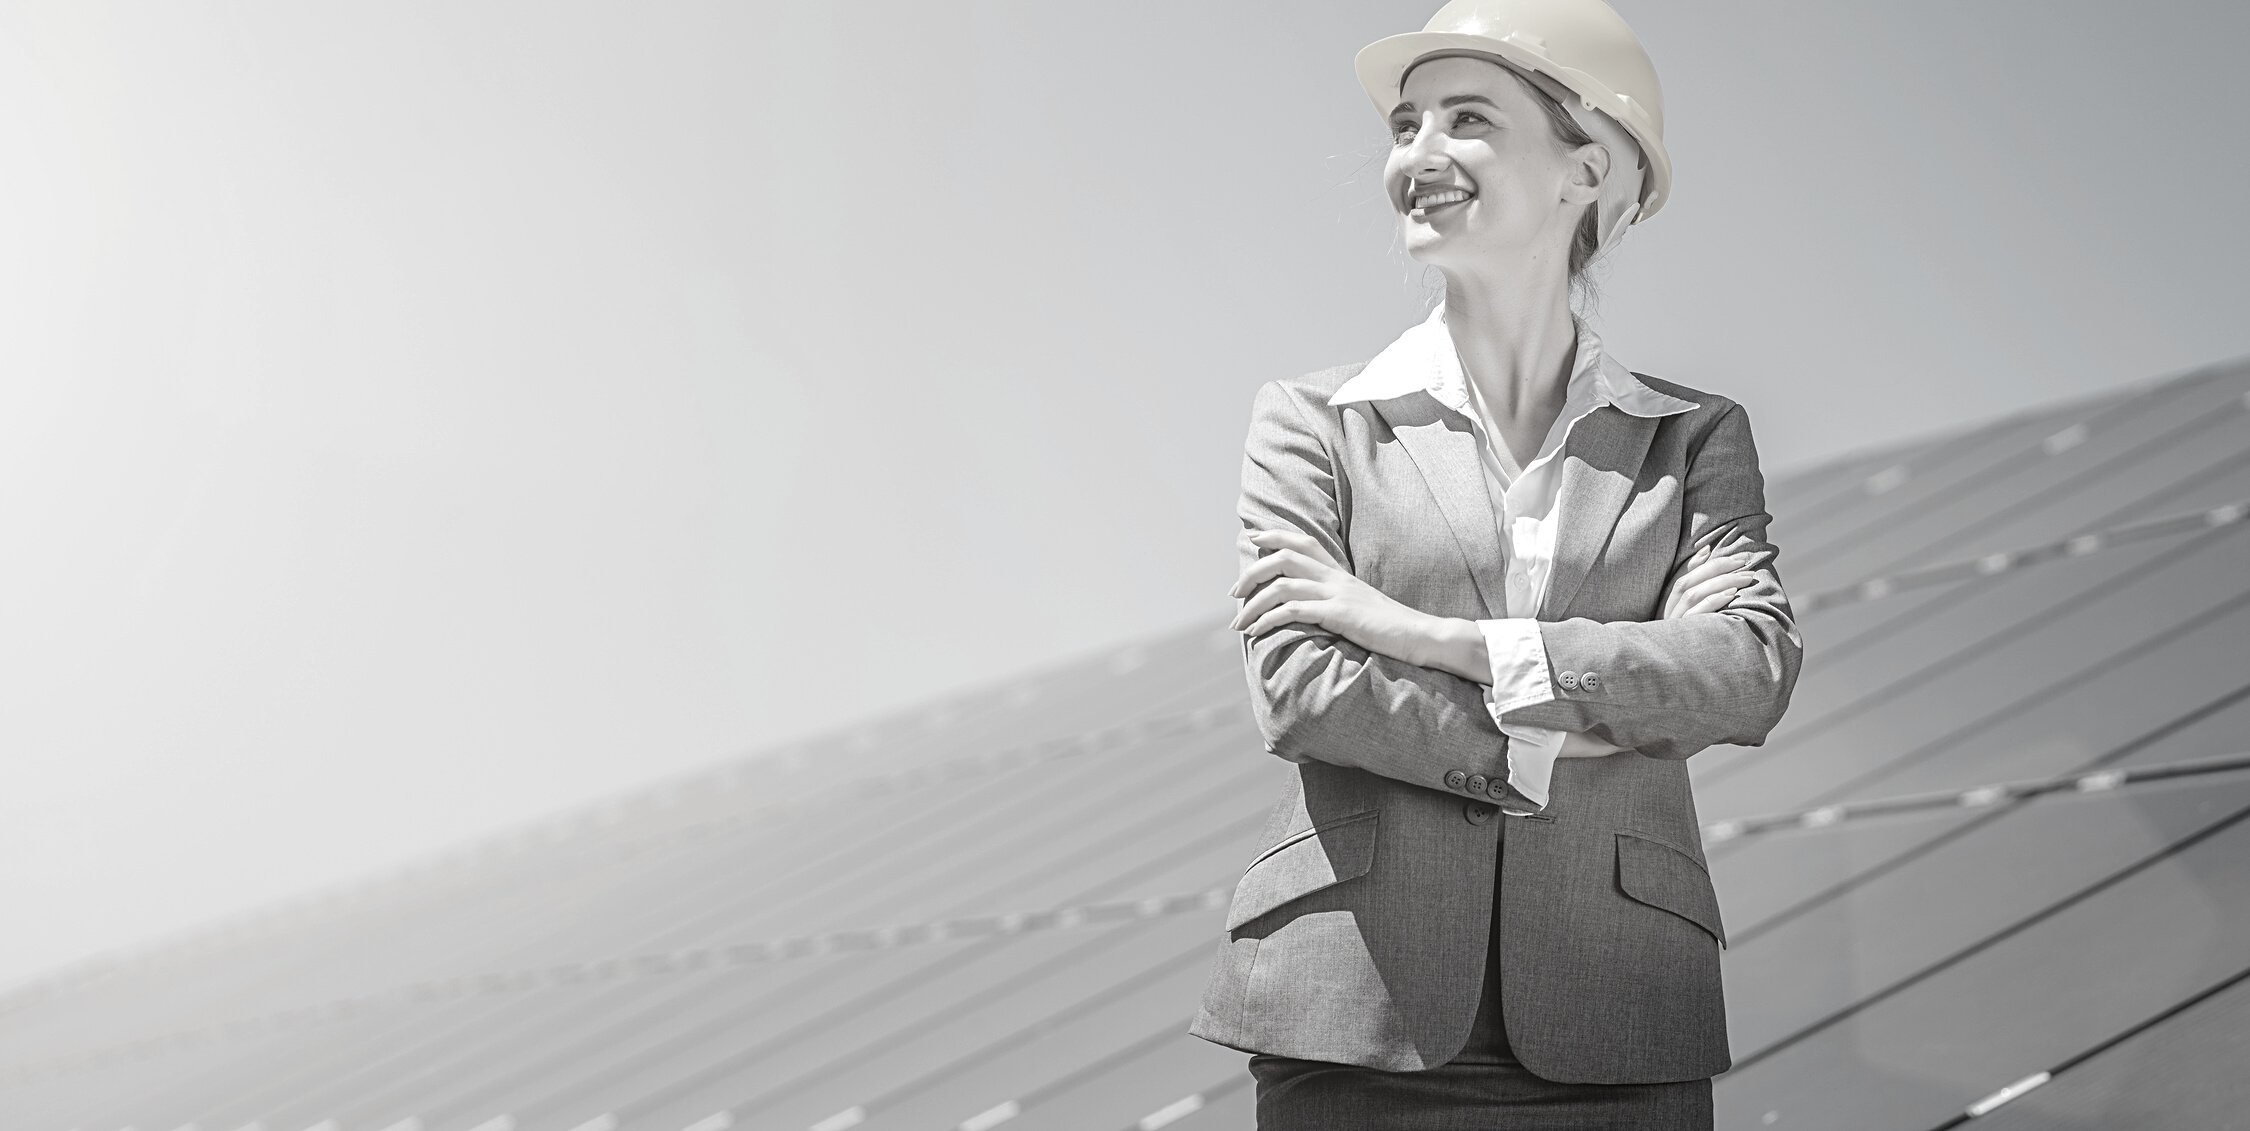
1451, 644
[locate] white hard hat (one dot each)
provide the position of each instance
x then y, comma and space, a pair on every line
1584, 46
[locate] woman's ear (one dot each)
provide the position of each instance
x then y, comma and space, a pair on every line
1589, 171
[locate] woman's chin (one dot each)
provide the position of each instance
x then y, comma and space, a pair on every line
1429, 246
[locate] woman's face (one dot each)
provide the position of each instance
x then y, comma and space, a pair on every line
1478, 177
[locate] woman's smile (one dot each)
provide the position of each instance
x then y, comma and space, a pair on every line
1437, 198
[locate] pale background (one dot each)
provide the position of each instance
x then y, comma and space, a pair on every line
416, 418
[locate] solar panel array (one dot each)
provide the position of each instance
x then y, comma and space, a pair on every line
1994, 859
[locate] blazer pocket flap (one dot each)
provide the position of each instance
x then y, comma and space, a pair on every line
1319, 857
1664, 877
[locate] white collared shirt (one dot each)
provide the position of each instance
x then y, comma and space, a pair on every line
1423, 359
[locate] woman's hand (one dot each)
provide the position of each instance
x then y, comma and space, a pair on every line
1707, 584
1303, 585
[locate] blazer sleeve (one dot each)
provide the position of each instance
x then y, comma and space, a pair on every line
1316, 695
1669, 688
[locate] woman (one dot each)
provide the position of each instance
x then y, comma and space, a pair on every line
1497, 588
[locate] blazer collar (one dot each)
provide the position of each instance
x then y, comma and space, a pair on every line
1601, 458
1423, 360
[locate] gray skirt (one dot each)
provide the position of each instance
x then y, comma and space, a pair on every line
1483, 1088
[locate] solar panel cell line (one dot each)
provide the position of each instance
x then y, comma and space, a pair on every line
1136, 1082
364, 1058
687, 1013
2036, 478
201, 981
2060, 731
1154, 1012
2023, 859
1817, 516
1984, 477
829, 1043
1833, 688
2076, 733
1845, 631
2130, 483
831, 1072
208, 1078
2029, 999
1765, 876
1128, 858
873, 1068
1899, 493
1225, 1105
2075, 641
2184, 1073
2201, 477
642, 920
1764, 879
894, 1063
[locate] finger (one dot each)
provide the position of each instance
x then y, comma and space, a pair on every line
1712, 603
1682, 592
1280, 563
1726, 582
1296, 540
1284, 589
1288, 612
1710, 568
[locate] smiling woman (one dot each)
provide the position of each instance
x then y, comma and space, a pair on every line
1496, 590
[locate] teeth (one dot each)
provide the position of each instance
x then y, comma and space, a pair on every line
1447, 197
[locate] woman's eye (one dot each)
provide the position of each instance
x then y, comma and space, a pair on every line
1402, 131
1465, 117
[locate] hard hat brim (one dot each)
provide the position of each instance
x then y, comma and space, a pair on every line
1382, 64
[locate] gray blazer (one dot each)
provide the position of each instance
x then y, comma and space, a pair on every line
1358, 933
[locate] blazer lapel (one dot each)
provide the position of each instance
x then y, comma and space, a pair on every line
1601, 461
1444, 450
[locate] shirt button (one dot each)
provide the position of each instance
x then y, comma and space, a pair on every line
1476, 812
1476, 783
1456, 779
1591, 681
1569, 681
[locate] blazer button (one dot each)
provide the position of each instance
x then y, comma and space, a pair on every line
1569, 681
1476, 783
1477, 812
1456, 779
1591, 681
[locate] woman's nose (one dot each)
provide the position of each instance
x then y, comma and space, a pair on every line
1426, 154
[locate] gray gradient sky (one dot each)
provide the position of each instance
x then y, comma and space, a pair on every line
417, 417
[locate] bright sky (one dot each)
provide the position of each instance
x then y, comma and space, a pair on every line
419, 417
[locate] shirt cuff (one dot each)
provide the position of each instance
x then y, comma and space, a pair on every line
1520, 679
1519, 664
1531, 759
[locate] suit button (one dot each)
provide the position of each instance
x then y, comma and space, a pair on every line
1477, 812
1476, 783
1569, 681
1591, 681
1456, 779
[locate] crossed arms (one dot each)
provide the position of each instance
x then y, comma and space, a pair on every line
1341, 673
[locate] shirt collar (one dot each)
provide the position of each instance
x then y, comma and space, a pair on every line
1423, 360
